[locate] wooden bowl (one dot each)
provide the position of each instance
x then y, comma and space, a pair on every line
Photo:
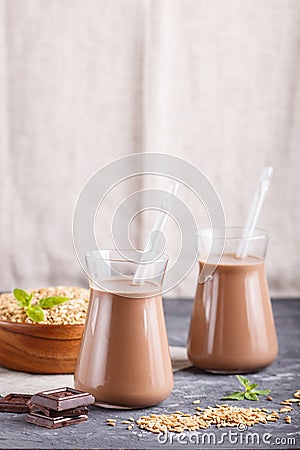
39, 348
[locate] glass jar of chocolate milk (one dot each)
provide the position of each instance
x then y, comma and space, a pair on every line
232, 327
124, 360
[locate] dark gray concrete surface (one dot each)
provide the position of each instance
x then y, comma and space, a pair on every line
282, 378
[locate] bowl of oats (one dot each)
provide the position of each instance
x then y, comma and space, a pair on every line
41, 329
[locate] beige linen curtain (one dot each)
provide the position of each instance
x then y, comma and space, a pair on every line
85, 82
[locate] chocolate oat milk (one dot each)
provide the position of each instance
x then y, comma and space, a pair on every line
124, 359
232, 328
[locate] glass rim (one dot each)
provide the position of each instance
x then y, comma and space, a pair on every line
120, 258
260, 233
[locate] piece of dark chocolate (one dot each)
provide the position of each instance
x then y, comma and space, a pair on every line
54, 422
80, 411
62, 399
15, 403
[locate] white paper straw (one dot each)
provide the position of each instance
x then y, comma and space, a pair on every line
255, 209
141, 272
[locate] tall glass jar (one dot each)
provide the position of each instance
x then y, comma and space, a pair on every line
232, 327
124, 359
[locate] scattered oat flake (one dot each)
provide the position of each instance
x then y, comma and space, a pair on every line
270, 399
286, 409
221, 416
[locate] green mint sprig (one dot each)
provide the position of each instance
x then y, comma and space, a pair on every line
250, 392
35, 312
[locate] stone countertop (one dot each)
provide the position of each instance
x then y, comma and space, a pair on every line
282, 378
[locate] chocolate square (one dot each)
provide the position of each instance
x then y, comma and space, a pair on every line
62, 399
42, 410
54, 422
15, 403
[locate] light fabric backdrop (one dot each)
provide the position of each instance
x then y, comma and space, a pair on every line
84, 82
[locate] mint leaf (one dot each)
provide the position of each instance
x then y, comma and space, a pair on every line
235, 396
23, 297
250, 393
35, 313
251, 396
261, 392
52, 301
244, 382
